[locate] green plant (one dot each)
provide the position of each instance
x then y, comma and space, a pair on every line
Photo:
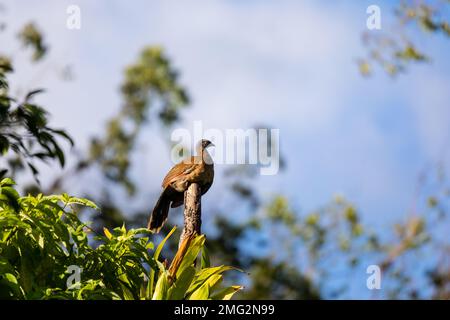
25, 135
183, 281
42, 241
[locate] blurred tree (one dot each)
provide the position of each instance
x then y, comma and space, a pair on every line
395, 47
149, 83
24, 132
30, 36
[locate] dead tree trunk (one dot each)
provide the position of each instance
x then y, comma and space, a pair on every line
192, 212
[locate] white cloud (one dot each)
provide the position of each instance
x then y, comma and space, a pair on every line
284, 63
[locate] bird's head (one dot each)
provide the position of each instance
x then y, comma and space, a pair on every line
203, 144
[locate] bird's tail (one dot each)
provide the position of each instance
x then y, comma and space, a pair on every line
160, 211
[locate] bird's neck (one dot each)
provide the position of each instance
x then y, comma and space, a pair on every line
205, 156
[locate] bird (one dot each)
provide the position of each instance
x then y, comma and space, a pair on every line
195, 169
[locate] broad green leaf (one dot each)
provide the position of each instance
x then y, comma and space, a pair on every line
11, 278
7, 182
12, 282
84, 202
155, 257
203, 275
162, 287
227, 293
192, 253
12, 196
211, 283
201, 293
205, 263
178, 290
161, 245
127, 294
215, 283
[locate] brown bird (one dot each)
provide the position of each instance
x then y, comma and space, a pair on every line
196, 169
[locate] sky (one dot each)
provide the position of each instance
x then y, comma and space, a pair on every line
287, 64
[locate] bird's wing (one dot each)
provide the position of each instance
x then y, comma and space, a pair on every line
181, 169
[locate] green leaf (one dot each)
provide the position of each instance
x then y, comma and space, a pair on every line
63, 134
11, 281
107, 233
161, 245
227, 293
4, 145
41, 241
178, 290
84, 202
11, 278
7, 182
32, 93
59, 153
5, 64
205, 262
127, 293
155, 257
11, 196
191, 254
162, 287
204, 274
201, 293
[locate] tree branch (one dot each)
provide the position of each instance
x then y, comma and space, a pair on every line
192, 212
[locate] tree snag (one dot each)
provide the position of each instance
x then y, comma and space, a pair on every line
192, 212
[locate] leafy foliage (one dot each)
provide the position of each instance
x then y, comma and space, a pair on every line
149, 82
24, 128
30, 36
183, 281
395, 49
41, 238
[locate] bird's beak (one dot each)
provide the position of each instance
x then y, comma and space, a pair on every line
211, 145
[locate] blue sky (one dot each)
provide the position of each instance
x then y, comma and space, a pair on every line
288, 64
